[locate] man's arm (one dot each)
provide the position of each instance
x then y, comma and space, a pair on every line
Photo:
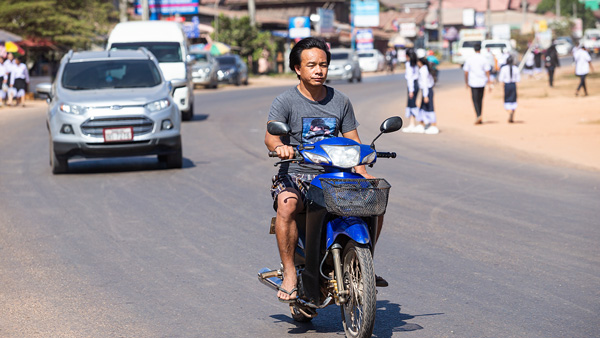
360, 169
467, 79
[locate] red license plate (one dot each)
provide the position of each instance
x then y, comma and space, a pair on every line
118, 134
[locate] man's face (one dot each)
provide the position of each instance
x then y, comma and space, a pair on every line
313, 67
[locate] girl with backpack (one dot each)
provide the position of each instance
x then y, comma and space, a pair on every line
509, 75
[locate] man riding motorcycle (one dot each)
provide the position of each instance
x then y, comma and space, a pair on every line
310, 103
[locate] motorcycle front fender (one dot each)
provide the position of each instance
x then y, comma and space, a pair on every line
353, 227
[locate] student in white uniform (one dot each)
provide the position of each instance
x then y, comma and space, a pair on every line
3, 83
8, 66
412, 76
529, 62
477, 75
19, 78
509, 75
583, 65
428, 123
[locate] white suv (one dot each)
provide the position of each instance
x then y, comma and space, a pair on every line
112, 103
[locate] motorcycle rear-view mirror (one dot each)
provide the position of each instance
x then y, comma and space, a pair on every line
277, 128
391, 124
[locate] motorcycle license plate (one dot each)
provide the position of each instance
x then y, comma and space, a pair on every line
118, 134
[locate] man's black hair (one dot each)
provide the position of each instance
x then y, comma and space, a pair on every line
307, 43
477, 47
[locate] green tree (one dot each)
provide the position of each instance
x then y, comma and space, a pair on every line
245, 39
566, 9
73, 24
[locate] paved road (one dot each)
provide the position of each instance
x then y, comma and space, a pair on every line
478, 241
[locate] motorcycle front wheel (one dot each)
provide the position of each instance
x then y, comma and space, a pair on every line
358, 313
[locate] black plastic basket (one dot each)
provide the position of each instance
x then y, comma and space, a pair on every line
355, 197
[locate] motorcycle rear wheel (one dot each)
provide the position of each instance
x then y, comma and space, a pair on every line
358, 313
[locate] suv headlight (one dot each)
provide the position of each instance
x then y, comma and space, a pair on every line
73, 109
157, 105
348, 67
343, 156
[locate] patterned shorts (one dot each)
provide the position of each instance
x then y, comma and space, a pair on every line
299, 182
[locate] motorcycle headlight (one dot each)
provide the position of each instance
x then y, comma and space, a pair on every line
343, 156
73, 109
157, 105
369, 158
314, 158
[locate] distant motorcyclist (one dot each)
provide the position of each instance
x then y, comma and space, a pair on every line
330, 111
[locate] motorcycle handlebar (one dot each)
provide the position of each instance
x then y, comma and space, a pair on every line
386, 154
273, 154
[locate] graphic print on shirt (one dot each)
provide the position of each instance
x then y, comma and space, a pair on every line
318, 128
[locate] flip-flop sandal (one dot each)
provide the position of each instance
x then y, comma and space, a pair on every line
291, 300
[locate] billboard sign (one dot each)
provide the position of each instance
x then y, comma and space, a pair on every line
365, 13
299, 27
169, 7
326, 18
364, 39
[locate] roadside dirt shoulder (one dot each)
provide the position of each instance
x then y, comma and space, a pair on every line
549, 121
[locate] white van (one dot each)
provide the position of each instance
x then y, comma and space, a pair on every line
167, 41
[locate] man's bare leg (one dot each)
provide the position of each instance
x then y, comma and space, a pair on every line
288, 205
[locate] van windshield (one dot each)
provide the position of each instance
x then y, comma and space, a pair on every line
163, 51
470, 44
495, 45
110, 74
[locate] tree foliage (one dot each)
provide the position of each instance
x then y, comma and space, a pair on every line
245, 39
566, 9
73, 24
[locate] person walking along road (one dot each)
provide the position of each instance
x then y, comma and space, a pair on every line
509, 75
477, 75
551, 63
412, 76
583, 65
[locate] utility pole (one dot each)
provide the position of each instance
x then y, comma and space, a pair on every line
440, 27
145, 10
557, 8
216, 20
489, 20
252, 12
122, 10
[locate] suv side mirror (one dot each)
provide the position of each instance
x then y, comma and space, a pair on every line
277, 128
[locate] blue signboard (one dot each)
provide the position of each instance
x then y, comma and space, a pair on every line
169, 7
299, 27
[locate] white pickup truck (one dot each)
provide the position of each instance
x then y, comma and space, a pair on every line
497, 47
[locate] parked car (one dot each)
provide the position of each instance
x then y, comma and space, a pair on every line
167, 41
112, 103
371, 60
591, 40
564, 45
232, 69
344, 65
204, 69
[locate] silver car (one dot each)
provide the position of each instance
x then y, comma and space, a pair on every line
344, 65
204, 69
112, 103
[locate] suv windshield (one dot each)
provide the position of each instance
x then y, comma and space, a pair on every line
340, 56
110, 74
163, 51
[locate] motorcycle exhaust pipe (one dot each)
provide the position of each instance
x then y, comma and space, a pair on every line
270, 278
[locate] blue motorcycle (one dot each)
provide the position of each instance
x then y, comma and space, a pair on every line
337, 231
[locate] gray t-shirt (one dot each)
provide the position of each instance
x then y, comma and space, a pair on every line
312, 121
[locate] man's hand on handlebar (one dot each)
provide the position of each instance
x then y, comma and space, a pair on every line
285, 152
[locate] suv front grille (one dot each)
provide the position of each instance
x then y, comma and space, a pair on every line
95, 126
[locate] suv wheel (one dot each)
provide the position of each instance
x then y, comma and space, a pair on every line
189, 114
175, 160
59, 165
